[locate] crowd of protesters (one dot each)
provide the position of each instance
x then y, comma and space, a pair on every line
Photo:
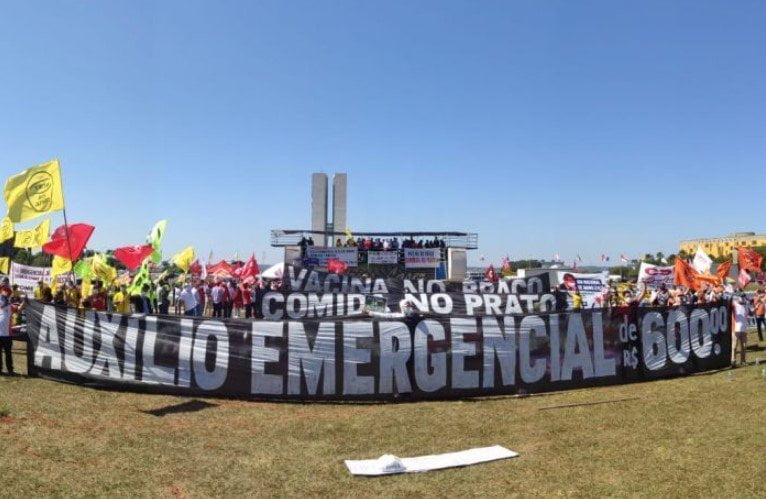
664, 296
744, 306
388, 244
378, 243
224, 298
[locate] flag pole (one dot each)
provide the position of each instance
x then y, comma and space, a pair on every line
66, 225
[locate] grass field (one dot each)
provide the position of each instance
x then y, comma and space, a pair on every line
703, 435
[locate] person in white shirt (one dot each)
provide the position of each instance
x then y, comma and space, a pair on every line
216, 295
740, 330
189, 300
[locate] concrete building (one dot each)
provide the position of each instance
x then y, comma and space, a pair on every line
319, 207
723, 246
320, 216
339, 181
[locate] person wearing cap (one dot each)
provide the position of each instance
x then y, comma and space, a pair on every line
5, 327
740, 329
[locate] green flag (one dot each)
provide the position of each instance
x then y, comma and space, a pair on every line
82, 269
155, 239
141, 278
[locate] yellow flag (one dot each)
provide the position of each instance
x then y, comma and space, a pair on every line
184, 259
349, 234
87, 287
34, 192
60, 266
6, 229
33, 238
5, 264
102, 270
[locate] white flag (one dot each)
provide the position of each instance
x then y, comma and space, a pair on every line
701, 262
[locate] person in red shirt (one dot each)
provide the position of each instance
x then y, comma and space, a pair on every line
247, 300
201, 298
237, 301
227, 299
98, 297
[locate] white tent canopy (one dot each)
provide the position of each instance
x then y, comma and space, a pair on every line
274, 272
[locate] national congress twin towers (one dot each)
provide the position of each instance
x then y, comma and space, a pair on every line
320, 218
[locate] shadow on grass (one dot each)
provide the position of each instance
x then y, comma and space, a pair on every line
190, 406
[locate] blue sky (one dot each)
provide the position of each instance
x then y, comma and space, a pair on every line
559, 126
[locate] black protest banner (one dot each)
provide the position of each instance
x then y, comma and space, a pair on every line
378, 359
301, 305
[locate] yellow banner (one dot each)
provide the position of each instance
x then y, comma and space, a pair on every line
5, 264
6, 229
33, 238
34, 192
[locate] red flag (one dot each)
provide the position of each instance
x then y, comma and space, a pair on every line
78, 238
336, 266
723, 270
133, 256
195, 268
749, 259
251, 268
490, 274
687, 276
236, 269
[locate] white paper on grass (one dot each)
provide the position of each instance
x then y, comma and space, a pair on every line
388, 465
